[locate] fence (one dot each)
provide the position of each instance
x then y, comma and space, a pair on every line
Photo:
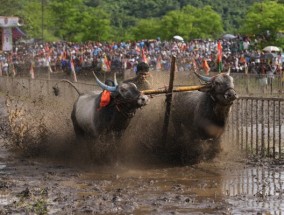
245, 84
256, 126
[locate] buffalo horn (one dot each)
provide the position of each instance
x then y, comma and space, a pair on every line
203, 78
114, 79
104, 86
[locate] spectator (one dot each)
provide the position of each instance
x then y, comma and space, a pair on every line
142, 77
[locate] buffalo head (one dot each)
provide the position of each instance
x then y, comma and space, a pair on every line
125, 94
220, 87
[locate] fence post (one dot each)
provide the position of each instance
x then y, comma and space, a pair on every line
279, 130
256, 122
268, 128
274, 129
262, 128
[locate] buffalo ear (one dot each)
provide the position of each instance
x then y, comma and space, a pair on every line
206, 88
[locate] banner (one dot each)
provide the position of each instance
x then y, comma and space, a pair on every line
7, 42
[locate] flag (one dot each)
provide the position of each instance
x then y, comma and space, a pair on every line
13, 69
205, 66
1, 68
32, 72
219, 56
137, 49
158, 64
106, 64
73, 71
144, 58
194, 64
48, 59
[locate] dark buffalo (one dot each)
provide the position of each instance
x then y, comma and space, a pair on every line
89, 119
201, 116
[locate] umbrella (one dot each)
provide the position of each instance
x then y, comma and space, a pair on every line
269, 56
271, 49
178, 38
229, 37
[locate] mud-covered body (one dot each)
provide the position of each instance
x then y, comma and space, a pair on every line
202, 116
90, 119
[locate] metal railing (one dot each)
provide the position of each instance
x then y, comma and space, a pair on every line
256, 126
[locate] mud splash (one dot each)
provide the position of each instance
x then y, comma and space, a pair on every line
55, 175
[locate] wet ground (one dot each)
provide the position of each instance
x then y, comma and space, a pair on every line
57, 182
40, 186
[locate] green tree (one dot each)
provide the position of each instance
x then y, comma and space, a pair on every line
204, 26
265, 19
191, 23
95, 25
32, 21
146, 29
11, 7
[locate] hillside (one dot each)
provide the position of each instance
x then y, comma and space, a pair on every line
126, 12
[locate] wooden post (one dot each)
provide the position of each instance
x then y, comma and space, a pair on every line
169, 102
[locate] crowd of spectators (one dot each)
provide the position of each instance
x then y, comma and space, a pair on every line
239, 54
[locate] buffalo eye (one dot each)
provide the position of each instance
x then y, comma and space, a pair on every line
217, 83
123, 90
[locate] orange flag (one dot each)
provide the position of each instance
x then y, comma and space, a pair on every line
219, 52
219, 57
205, 66
144, 58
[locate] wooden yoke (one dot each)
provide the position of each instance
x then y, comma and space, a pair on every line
176, 89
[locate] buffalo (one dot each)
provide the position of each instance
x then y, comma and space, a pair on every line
201, 116
90, 119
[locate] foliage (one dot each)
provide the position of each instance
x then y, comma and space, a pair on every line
67, 18
147, 28
12, 7
266, 20
95, 25
190, 23
108, 20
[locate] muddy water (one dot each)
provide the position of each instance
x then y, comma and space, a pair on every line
42, 186
47, 185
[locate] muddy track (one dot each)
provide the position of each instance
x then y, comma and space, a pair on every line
65, 180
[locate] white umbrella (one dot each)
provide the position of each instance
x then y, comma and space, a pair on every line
271, 49
178, 38
229, 37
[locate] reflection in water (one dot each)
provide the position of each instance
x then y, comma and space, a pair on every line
200, 188
2, 166
255, 188
205, 188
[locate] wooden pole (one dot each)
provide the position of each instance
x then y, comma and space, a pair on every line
169, 102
